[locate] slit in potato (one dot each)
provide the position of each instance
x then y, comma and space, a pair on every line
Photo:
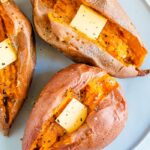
8, 82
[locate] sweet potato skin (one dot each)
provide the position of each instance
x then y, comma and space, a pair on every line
102, 125
55, 34
20, 33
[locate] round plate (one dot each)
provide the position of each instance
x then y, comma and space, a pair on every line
137, 90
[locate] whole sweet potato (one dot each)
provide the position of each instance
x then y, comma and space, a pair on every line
107, 111
118, 49
15, 78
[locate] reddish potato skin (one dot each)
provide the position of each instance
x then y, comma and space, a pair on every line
55, 34
102, 126
20, 33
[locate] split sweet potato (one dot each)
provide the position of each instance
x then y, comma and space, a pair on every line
118, 49
100, 93
16, 77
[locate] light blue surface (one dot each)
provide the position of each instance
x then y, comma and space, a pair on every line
137, 91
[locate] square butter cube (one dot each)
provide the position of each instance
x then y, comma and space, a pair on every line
88, 22
7, 53
3, 1
73, 116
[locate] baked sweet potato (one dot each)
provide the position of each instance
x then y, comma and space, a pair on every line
15, 78
118, 49
100, 93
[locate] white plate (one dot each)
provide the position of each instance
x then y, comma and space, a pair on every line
137, 91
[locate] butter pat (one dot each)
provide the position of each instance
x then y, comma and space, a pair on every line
7, 53
89, 22
73, 116
3, 1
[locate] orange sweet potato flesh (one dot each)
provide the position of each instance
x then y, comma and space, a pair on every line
15, 78
8, 77
118, 49
91, 86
